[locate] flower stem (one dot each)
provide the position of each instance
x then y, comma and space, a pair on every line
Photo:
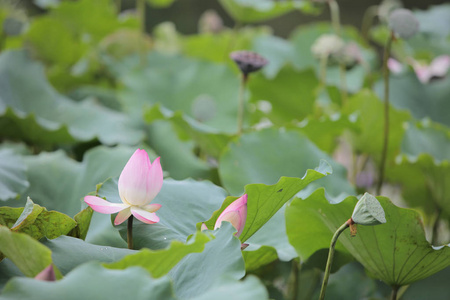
331, 256
336, 21
294, 279
334, 11
140, 9
394, 293
130, 232
367, 20
241, 103
119, 6
323, 70
387, 51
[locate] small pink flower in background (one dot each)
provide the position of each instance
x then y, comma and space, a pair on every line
394, 66
235, 213
437, 68
139, 183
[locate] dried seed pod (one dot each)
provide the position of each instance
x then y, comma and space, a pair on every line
248, 61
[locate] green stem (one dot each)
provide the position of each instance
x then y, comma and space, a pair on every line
394, 293
387, 51
331, 256
140, 8
119, 6
294, 282
241, 103
233, 38
435, 234
335, 19
367, 20
323, 70
343, 82
130, 232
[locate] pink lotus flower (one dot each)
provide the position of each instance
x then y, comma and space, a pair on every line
394, 66
235, 213
139, 183
437, 68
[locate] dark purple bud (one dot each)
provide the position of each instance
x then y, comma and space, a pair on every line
248, 61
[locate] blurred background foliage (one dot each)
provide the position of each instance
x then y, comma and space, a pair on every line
83, 83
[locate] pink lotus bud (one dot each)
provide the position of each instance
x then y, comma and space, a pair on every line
394, 66
48, 274
203, 227
235, 213
438, 68
139, 183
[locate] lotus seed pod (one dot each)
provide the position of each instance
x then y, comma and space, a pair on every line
248, 61
368, 211
326, 45
403, 23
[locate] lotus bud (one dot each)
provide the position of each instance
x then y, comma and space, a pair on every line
48, 274
368, 211
327, 45
203, 227
235, 213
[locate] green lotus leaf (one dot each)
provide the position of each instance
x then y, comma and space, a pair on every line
31, 109
13, 178
159, 263
265, 156
250, 11
199, 272
265, 200
30, 256
396, 252
92, 281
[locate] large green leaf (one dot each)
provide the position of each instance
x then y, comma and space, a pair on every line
276, 50
422, 100
160, 3
198, 272
184, 204
368, 138
13, 178
177, 152
182, 84
228, 288
269, 243
68, 253
287, 103
158, 263
92, 281
265, 200
208, 139
30, 109
265, 156
30, 256
396, 252
251, 11
37, 222
217, 47
423, 169
435, 20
